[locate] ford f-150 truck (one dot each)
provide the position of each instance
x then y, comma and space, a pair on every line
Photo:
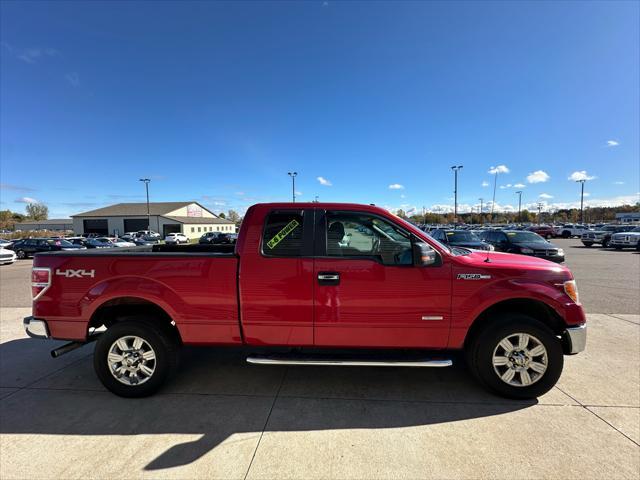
313, 284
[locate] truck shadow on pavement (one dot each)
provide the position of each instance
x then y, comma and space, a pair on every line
220, 398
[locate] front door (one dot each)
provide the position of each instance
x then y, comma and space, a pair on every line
368, 292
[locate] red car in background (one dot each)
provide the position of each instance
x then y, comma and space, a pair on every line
545, 231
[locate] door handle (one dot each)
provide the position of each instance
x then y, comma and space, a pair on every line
328, 278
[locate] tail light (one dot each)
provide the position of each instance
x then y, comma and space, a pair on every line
40, 281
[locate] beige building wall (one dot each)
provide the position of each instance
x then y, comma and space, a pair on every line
197, 230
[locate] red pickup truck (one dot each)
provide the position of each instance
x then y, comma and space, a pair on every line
313, 284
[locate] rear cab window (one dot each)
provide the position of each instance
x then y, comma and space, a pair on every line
283, 234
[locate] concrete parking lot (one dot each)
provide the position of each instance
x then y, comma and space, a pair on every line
222, 418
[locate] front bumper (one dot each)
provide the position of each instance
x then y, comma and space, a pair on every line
575, 339
36, 328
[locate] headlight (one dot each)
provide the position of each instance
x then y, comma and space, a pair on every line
571, 289
526, 250
561, 252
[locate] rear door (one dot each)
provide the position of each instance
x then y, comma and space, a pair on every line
276, 279
368, 293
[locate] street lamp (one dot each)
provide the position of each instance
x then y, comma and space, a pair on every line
481, 219
581, 182
540, 205
455, 194
519, 204
146, 186
293, 184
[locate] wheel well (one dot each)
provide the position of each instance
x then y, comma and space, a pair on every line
120, 309
534, 308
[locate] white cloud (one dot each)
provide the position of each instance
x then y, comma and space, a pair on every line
298, 194
539, 176
402, 195
499, 169
30, 55
580, 175
587, 194
73, 78
545, 195
519, 185
26, 200
324, 181
485, 184
618, 183
612, 143
396, 186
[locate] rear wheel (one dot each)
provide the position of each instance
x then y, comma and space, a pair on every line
605, 243
134, 358
588, 245
21, 254
566, 234
516, 356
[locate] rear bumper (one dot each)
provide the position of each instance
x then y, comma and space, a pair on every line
575, 339
36, 328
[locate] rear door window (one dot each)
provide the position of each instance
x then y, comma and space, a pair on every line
283, 234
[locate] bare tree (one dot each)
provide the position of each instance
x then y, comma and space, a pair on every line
37, 211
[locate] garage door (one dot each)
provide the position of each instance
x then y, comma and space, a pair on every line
99, 226
135, 224
168, 228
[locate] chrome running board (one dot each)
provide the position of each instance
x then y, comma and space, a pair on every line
329, 362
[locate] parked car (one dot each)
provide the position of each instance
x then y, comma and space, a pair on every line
216, 238
98, 243
603, 236
460, 238
76, 240
147, 233
5, 243
545, 231
291, 294
146, 240
31, 246
176, 238
119, 242
570, 230
7, 256
524, 243
629, 239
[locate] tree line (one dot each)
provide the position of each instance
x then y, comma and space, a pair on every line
33, 211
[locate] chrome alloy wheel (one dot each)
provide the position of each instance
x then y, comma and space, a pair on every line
131, 360
520, 360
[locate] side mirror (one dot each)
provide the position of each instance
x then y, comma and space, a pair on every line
424, 255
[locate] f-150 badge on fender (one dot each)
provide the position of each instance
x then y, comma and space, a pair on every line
473, 276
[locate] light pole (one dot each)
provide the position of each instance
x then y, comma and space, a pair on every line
317, 199
293, 184
540, 205
493, 202
519, 204
581, 182
455, 194
481, 219
146, 186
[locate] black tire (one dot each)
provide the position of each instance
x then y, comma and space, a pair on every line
21, 254
166, 351
480, 355
588, 245
605, 243
566, 234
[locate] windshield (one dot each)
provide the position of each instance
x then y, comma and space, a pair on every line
462, 236
525, 237
60, 243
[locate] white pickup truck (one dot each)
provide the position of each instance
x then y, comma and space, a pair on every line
571, 230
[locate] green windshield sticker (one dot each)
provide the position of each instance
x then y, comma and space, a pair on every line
290, 227
511, 234
450, 233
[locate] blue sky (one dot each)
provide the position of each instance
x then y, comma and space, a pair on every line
216, 102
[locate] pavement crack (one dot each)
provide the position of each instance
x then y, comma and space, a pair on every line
275, 398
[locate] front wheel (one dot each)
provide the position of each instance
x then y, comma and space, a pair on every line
605, 243
134, 358
517, 357
21, 254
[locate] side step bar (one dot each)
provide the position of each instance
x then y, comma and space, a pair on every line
333, 362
